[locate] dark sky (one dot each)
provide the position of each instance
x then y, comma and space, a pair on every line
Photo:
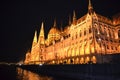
20, 18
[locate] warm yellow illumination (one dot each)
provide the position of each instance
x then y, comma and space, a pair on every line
87, 59
90, 35
94, 59
82, 60
92, 49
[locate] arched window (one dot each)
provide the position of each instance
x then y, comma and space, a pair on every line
109, 33
90, 30
105, 33
76, 35
94, 59
80, 33
84, 31
113, 34
119, 33
81, 60
100, 28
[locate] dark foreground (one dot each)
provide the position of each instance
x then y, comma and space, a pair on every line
81, 72
60, 72
12, 72
7, 72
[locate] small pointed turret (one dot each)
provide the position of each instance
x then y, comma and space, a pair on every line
41, 35
69, 20
61, 28
90, 8
54, 25
34, 39
74, 16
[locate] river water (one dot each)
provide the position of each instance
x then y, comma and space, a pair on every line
13, 73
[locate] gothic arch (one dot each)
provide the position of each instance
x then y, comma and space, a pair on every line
93, 59
69, 52
77, 50
81, 60
119, 33
87, 59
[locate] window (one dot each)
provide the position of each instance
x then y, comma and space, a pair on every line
80, 33
100, 27
119, 33
107, 47
113, 34
76, 35
109, 33
72, 37
90, 30
84, 32
112, 47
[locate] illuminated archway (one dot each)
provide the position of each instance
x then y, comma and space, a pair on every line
87, 59
77, 61
77, 51
73, 52
94, 60
119, 33
69, 52
81, 60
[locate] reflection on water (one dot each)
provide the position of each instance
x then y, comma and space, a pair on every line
28, 75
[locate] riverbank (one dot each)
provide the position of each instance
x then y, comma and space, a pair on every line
78, 71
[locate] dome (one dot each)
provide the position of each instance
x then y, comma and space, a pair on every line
54, 34
54, 30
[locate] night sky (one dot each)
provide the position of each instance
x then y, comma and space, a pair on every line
20, 18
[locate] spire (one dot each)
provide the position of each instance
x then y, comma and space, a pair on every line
54, 23
61, 28
90, 8
34, 39
41, 35
69, 19
74, 16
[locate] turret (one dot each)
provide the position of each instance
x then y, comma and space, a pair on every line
74, 16
90, 8
41, 35
34, 39
69, 20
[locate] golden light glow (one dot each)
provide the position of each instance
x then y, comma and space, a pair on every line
82, 60
87, 59
28, 75
82, 41
94, 59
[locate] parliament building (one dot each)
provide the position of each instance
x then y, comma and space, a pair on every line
91, 38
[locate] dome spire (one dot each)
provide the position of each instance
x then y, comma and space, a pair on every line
54, 23
41, 35
69, 20
74, 16
90, 7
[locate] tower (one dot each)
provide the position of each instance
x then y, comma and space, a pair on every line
41, 35
41, 43
90, 7
74, 16
34, 39
69, 20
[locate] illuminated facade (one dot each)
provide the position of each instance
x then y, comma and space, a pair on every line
84, 40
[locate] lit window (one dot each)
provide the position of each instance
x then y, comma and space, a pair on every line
84, 32
111, 47
80, 34
107, 47
119, 33
76, 35
90, 30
